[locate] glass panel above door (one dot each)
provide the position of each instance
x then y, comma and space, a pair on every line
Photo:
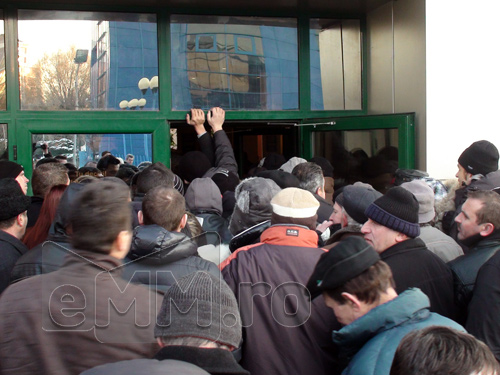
336, 64
238, 63
87, 61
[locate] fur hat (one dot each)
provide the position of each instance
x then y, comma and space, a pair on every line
425, 198
9, 169
200, 305
348, 259
481, 157
397, 210
253, 203
12, 199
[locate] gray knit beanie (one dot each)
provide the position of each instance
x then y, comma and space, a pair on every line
200, 305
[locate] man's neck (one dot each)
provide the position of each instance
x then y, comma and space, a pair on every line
13, 232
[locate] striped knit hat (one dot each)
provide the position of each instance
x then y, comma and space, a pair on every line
397, 210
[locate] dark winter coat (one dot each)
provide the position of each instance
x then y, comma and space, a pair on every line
268, 280
11, 249
219, 151
466, 267
158, 258
484, 307
415, 266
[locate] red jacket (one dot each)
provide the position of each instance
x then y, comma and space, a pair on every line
285, 333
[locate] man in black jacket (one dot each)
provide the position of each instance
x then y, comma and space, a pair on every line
478, 228
13, 221
391, 229
160, 254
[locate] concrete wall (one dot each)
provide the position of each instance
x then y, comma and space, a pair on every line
396, 64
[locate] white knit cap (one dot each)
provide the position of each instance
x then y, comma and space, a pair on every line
295, 203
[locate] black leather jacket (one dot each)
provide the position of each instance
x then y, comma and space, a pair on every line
466, 267
158, 258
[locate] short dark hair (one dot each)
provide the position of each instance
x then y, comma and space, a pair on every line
490, 211
163, 206
439, 350
152, 177
368, 286
100, 212
310, 176
6, 224
106, 161
47, 175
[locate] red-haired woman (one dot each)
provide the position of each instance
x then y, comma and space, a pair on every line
38, 233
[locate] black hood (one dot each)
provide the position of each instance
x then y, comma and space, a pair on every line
152, 243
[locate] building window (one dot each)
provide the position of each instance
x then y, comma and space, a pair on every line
238, 63
335, 55
81, 149
4, 151
87, 61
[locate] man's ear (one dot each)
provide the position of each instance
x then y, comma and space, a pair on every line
21, 219
352, 300
140, 217
321, 192
487, 229
400, 237
183, 222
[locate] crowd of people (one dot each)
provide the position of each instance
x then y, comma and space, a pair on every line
115, 269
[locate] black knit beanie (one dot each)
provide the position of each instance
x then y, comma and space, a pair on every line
481, 157
200, 305
9, 169
397, 210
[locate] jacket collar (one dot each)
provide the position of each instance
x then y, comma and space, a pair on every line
409, 305
15, 242
214, 361
482, 241
156, 244
401, 247
104, 262
290, 235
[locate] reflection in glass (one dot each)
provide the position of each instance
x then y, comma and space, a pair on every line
89, 147
4, 152
370, 156
335, 53
3, 93
87, 61
234, 62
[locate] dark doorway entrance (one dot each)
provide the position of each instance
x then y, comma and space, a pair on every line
251, 141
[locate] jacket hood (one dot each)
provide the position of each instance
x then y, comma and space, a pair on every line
57, 230
156, 244
203, 195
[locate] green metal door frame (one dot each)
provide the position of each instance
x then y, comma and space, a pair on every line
158, 128
404, 123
